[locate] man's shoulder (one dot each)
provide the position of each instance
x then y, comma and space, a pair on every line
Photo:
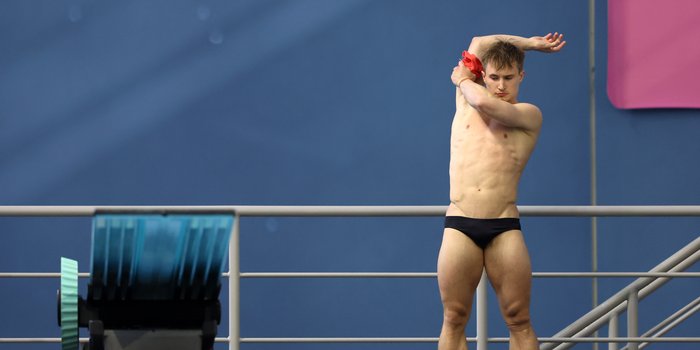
529, 109
526, 105
532, 113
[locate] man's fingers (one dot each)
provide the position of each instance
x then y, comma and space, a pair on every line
558, 47
560, 39
557, 41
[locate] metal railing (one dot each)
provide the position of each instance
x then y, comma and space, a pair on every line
234, 339
628, 298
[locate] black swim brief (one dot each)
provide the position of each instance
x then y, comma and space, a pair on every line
482, 231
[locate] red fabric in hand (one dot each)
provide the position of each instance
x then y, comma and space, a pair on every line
473, 63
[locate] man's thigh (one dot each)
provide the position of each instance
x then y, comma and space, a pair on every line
460, 265
508, 267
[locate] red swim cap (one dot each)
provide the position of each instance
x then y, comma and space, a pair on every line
472, 62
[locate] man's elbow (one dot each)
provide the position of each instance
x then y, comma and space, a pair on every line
474, 45
482, 104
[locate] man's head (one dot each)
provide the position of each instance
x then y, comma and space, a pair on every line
503, 70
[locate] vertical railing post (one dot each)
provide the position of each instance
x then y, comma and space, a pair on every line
234, 286
633, 318
482, 334
613, 327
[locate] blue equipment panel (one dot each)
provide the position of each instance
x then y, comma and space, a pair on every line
158, 257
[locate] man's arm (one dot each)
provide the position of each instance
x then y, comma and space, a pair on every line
548, 43
520, 115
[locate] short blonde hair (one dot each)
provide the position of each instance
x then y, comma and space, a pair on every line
504, 54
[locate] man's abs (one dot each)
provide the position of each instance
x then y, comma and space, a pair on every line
482, 203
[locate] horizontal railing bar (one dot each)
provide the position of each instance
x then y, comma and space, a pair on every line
29, 340
359, 210
491, 340
386, 274
611, 210
38, 275
614, 274
425, 210
618, 340
77, 210
338, 275
343, 340
433, 274
240, 210
402, 340
58, 340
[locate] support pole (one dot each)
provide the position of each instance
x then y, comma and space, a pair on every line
633, 318
482, 334
234, 288
613, 328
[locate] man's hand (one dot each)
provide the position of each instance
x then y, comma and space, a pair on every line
461, 73
548, 43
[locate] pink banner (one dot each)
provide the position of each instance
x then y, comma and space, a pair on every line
654, 53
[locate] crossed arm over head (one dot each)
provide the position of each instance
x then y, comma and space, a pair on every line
547, 44
522, 115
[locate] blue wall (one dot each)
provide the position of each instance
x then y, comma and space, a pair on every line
318, 102
646, 157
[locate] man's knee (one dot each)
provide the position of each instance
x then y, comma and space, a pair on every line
456, 317
517, 317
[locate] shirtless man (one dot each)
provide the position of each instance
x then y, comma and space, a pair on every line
493, 136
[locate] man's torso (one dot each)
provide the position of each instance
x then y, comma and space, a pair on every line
486, 161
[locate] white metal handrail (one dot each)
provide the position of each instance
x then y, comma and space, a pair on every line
401, 340
388, 274
676, 318
234, 338
371, 210
58, 340
616, 304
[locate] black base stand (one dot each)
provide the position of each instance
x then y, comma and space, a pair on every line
153, 315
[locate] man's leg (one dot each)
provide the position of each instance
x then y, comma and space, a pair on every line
460, 265
508, 268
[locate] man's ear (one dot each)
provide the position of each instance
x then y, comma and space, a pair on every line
522, 75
